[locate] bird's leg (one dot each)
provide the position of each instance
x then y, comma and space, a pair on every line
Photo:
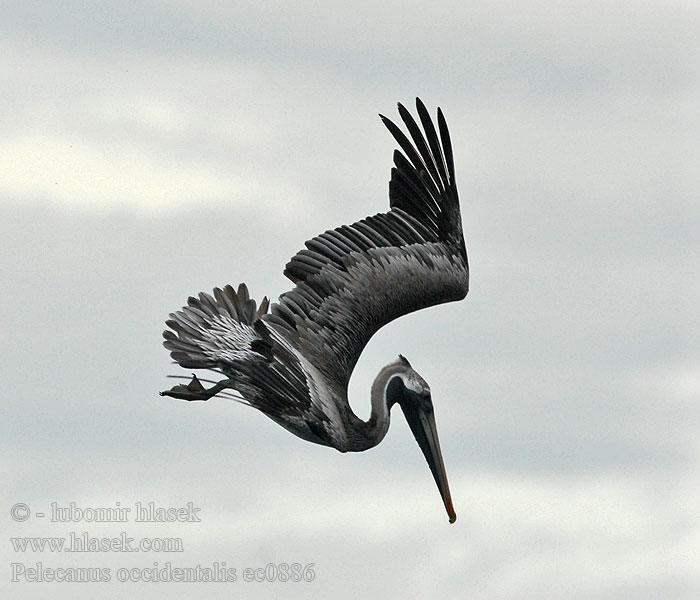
194, 390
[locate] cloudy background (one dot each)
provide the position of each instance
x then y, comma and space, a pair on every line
149, 153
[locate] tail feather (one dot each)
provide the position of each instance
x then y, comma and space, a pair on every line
213, 331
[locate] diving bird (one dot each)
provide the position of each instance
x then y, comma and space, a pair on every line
294, 362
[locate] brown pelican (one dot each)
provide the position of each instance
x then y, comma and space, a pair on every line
294, 363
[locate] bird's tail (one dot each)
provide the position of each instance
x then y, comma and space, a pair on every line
212, 332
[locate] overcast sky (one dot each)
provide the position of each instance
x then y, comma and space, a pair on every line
152, 150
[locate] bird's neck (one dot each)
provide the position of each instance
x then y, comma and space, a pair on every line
382, 397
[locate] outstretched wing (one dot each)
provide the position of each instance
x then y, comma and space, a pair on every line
352, 280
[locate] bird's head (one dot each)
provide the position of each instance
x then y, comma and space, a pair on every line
412, 393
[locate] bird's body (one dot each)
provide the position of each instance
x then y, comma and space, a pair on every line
294, 363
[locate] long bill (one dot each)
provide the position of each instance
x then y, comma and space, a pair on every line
422, 424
